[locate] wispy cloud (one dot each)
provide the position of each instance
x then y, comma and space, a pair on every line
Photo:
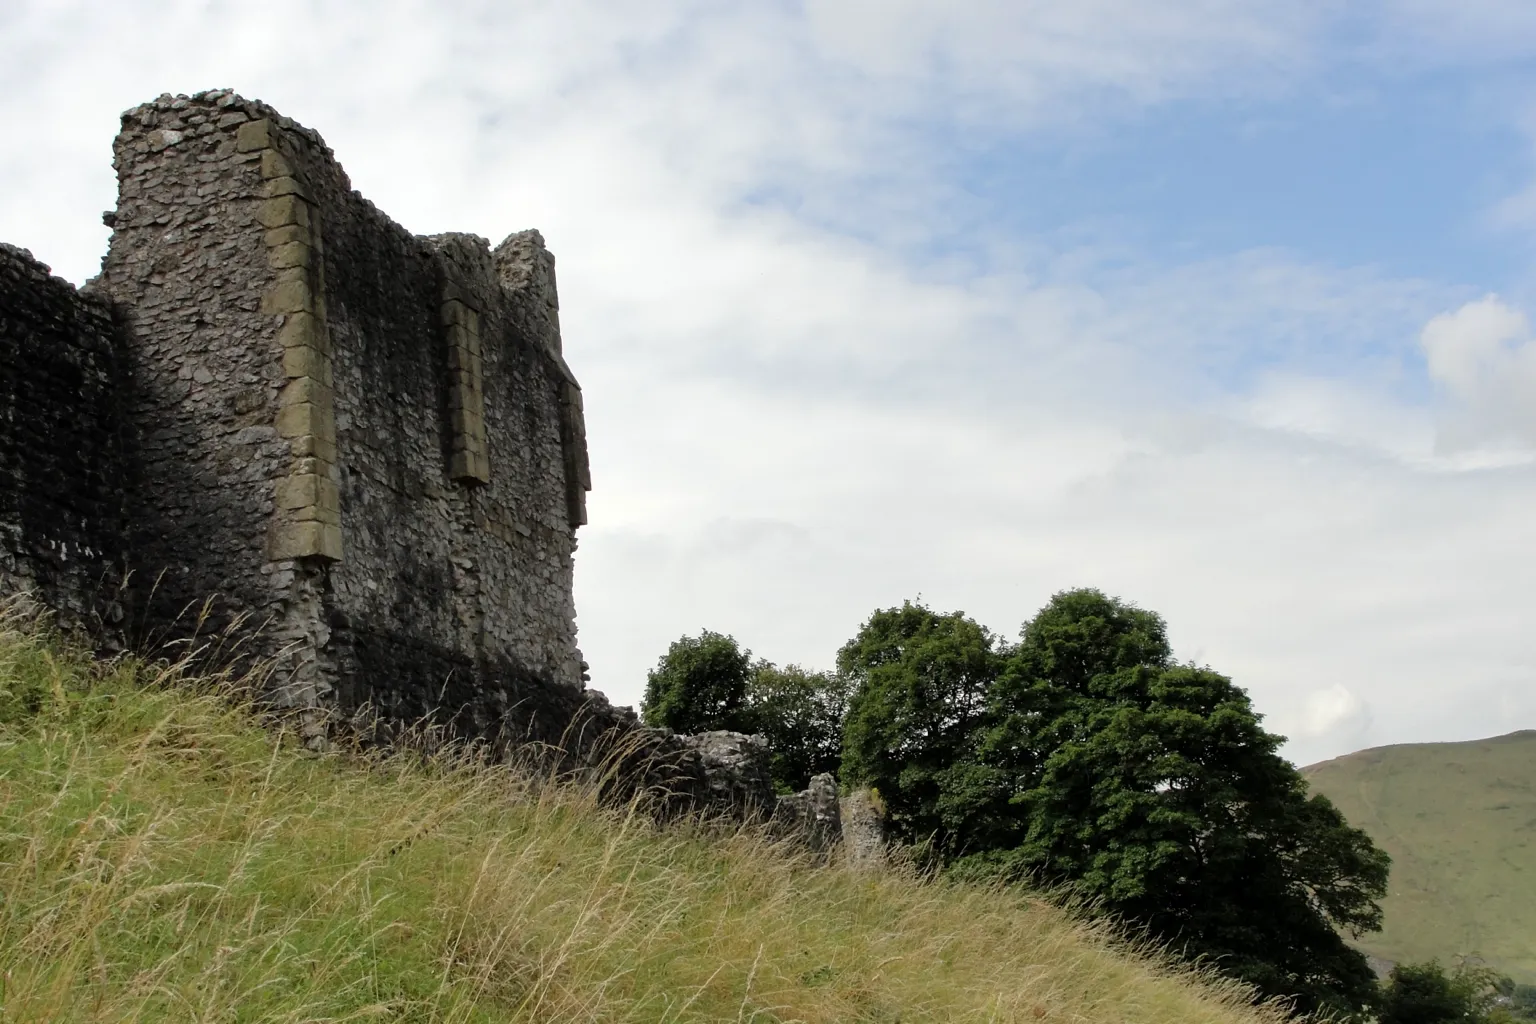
1484, 356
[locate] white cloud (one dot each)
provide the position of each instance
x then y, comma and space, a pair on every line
1334, 710
1468, 349
1027, 54
1484, 356
1340, 412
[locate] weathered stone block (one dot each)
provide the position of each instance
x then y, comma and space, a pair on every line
303, 390
466, 395
299, 361
465, 421
470, 466
310, 446
275, 165
286, 186
303, 329
290, 293
304, 540
330, 542
460, 358
306, 418
298, 491
290, 254
454, 313
253, 135
283, 210
316, 513
287, 233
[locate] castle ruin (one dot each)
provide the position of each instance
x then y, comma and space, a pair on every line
358, 451
281, 424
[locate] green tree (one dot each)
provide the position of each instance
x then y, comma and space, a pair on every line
700, 684
1427, 994
918, 683
1520, 999
1151, 789
800, 713
1086, 758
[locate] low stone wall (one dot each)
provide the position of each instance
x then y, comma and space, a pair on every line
813, 815
863, 826
62, 466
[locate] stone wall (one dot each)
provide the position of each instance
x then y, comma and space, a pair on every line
363, 442
187, 271
62, 481
814, 815
863, 829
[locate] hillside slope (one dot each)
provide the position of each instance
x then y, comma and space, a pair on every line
164, 858
1459, 820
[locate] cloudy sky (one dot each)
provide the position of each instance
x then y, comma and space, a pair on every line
1218, 305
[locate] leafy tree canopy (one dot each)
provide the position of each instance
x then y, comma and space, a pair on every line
800, 713
700, 684
1428, 994
711, 682
1085, 757
918, 684
1519, 998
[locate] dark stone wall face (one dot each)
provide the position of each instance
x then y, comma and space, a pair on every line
448, 589
61, 447
186, 267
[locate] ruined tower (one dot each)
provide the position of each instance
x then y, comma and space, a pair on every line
364, 447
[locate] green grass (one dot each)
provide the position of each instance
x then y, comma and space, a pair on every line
1459, 820
164, 857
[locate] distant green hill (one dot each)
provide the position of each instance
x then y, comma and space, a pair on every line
1459, 820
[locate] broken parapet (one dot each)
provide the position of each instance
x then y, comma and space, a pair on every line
736, 768
812, 815
863, 825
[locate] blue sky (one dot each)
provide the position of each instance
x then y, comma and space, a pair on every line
1402, 177
1218, 305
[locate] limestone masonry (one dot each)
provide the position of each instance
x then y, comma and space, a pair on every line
280, 420
363, 448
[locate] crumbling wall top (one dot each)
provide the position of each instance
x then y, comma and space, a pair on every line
223, 108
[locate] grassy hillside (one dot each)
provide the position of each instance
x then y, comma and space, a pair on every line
163, 858
1459, 820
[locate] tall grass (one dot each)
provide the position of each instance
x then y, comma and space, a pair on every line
165, 857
